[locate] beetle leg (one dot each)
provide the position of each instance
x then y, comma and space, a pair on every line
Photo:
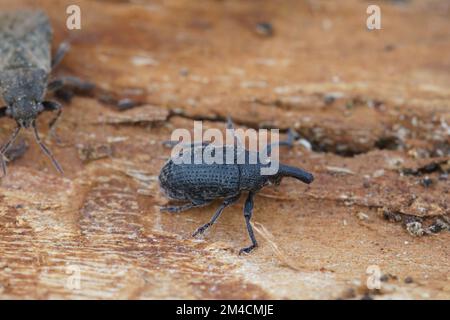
73, 82
53, 106
11, 140
230, 126
289, 142
70, 81
173, 143
176, 209
45, 149
60, 53
248, 210
227, 202
6, 147
184, 207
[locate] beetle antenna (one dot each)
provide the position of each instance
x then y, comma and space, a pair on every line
6, 147
45, 149
300, 174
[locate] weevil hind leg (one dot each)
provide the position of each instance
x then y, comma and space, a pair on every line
227, 202
248, 211
45, 149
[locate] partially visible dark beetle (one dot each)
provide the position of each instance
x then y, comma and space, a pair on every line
25, 65
200, 184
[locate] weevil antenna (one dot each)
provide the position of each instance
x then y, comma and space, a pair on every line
45, 149
6, 147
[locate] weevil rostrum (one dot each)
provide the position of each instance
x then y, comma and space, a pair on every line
199, 184
25, 66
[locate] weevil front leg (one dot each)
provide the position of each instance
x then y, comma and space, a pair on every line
248, 211
227, 202
184, 207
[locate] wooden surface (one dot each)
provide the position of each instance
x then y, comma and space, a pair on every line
375, 106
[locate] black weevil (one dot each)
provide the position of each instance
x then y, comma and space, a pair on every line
199, 184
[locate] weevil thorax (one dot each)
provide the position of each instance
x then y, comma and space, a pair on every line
252, 177
22, 92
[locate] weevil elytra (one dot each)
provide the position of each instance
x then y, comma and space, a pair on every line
25, 66
198, 184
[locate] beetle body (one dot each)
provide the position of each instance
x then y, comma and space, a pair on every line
25, 66
200, 183
203, 181
25, 63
